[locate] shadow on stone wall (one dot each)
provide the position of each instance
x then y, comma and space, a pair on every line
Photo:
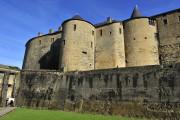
50, 60
151, 91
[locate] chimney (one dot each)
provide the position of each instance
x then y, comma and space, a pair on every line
51, 31
60, 28
39, 34
109, 19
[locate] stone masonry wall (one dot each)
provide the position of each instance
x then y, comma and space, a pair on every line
113, 91
169, 37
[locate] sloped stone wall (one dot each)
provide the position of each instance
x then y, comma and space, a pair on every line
122, 91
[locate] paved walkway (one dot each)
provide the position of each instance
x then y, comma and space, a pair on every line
6, 110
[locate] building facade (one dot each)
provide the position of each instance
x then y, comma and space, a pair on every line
79, 45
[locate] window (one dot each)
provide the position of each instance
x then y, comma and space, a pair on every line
9, 85
120, 31
84, 52
165, 21
156, 36
110, 33
145, 37
134, 38
91, 44
74, 27
40, 42
101, 32
92, 32
179, 18
64, 42
52, 39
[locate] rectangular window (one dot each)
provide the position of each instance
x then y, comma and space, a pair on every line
74, 27
101, 32
110, 33
120, 31
165, 21
92, 32
64, 42
52, 39
40, 42
91, 44
179, 18
84, 52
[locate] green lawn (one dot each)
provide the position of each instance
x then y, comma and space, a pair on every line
30, 114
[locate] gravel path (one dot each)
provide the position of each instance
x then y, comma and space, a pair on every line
6, 110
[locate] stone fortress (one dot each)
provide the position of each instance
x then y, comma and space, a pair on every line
104, 67
79, 45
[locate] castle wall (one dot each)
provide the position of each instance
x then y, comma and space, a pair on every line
78, 47
88, 91
169, 37
109, 46
141, 46
42, 52
1, 82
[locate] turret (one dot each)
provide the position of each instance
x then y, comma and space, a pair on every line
78, 45
141, 45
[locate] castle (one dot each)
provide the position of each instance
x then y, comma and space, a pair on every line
79, 45
105, 68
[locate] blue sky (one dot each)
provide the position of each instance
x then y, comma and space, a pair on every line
21, 20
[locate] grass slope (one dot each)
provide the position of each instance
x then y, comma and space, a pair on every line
30, 114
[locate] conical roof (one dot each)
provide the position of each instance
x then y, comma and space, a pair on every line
77, 17
136, 13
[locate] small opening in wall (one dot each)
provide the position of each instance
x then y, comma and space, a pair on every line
64, 42
120, 31
101, 32
92, 32
91, 44
74, 27
52, 39
134, 39
110, 33
179, 18
9, 85
145, 37
84, 52
40, 42
89, 64
165, 21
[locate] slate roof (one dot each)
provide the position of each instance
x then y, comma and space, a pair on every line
136, 13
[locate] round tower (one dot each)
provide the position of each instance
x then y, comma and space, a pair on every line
141, 45
42, 52
78, 45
